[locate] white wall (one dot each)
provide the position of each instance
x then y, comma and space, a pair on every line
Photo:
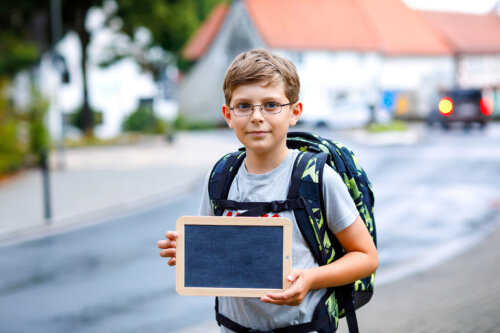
479, 71
411, 73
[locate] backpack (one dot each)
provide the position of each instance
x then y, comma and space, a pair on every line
305, 199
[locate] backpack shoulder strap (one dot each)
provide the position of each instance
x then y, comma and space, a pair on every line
306, 183
221, 177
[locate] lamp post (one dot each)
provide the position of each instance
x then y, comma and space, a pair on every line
59, 63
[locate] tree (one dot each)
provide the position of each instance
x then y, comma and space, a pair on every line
18, 51
25, 29
20, 46
26, 32
74, 14
157, 30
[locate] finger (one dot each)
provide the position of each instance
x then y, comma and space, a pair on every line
162, 244
172, 262
166, 244
294, 275
285, 301
168, 253
284, 296
172, 235
271, 301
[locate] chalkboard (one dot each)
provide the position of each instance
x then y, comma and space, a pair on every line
233, 256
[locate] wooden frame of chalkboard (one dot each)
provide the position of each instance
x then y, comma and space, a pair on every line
233, 256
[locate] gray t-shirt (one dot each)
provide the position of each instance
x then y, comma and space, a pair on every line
340, 213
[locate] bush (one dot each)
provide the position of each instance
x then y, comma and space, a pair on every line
23, 133
38, 132
76, 118
182, 123
11, 151
144, 120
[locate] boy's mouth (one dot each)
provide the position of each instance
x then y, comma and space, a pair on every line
257, 133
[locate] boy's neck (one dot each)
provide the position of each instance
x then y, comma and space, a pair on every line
260, 163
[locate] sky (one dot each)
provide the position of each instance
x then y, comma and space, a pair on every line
468, 6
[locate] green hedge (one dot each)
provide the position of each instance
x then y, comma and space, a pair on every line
23, 133
12, 154
144, 120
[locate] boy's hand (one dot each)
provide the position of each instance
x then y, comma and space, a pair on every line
168, 247
292, 296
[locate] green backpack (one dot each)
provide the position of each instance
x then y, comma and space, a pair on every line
306, 201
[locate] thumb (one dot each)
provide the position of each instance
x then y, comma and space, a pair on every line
293, 275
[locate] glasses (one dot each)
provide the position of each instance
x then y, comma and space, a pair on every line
245, 109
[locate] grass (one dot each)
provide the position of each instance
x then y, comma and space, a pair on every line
395, 125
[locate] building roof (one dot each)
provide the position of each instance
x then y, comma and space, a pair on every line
313, 24
401, 30
386, 26
201, 40
468, 33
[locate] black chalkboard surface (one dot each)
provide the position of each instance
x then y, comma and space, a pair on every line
233, 256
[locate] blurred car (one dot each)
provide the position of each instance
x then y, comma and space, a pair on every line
340, 116
464, 107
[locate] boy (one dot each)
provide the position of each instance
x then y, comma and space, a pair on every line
261, 101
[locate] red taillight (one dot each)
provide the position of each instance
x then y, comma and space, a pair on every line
446, 106
486, 106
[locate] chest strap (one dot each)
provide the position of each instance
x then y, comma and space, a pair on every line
261, 208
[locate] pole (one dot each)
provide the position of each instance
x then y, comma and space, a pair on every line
56, 34
46, 186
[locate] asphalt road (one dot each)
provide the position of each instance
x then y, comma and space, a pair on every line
432, 197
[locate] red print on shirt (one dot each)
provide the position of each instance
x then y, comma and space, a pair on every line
230, 213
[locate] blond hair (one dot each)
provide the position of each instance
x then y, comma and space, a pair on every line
261, 65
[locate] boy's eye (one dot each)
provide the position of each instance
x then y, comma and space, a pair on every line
271, 105
244, 106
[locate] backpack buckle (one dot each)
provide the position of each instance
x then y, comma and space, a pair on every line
302, 202
279, 206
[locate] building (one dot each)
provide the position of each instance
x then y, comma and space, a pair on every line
350, 54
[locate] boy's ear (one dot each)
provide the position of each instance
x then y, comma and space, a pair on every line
227, 115
296, 113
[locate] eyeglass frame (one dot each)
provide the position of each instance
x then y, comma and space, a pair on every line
261, 109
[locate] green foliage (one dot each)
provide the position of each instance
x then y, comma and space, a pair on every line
184, 65
76, 118
395, 125
144, 120
39, 134
11, 149
23, 133
181, 123
18, 50
171, 23
17, 54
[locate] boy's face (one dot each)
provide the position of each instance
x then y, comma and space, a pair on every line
258, 132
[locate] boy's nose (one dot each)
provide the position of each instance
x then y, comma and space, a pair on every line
257, 113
